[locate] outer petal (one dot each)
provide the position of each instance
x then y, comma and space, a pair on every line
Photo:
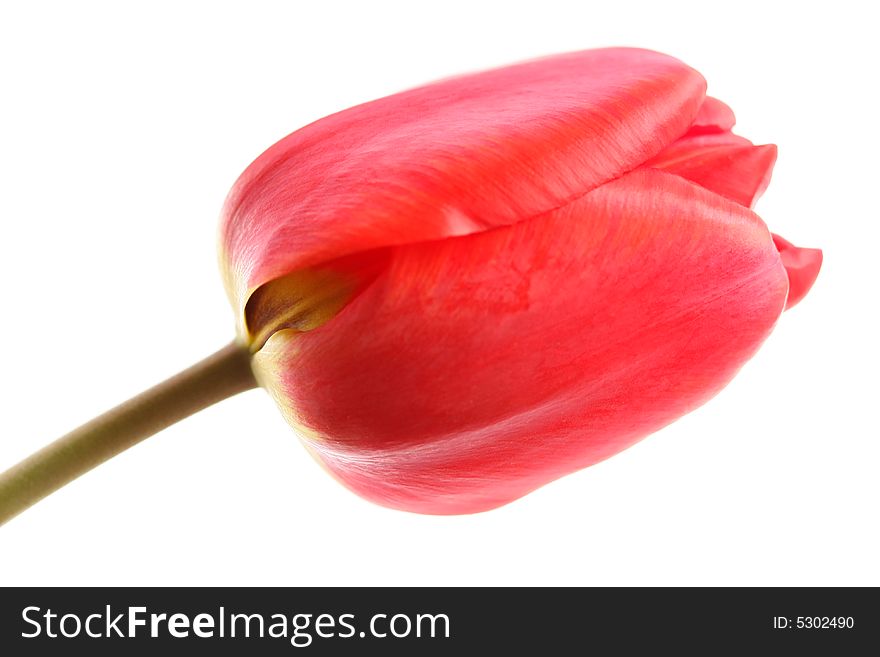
738, 171
453, 158
477, 368
802, 267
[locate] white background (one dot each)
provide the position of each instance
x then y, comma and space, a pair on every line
121, 130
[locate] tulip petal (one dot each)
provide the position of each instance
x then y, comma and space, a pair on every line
724, 163
475, 369
802, 266
691, 146
456, 157
714, 116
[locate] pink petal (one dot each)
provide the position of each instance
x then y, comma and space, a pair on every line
714, 116
477, 368
691, 146
738, 172
456, 157
801, 265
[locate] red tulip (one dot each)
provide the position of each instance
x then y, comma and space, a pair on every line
462, 292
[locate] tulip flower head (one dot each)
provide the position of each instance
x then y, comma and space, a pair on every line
459, 293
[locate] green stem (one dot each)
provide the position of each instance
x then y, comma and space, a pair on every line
219, 376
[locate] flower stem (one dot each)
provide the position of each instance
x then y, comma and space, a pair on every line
221, 375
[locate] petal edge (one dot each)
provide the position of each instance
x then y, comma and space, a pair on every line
802, 266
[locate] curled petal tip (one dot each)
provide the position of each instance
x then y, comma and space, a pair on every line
802, 267
714, 116
723, 163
